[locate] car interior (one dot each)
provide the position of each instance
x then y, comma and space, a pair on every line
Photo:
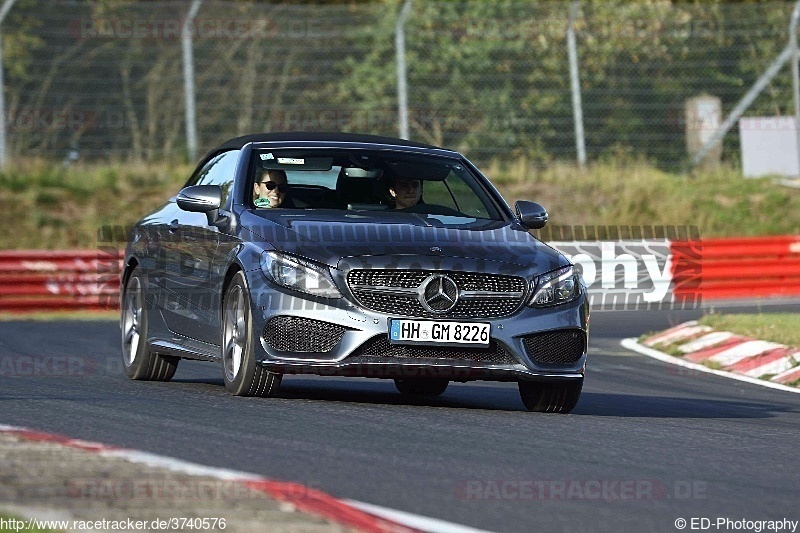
361, 183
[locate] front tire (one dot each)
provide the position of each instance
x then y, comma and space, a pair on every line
242, 375
550, 397
421, 386
137, 359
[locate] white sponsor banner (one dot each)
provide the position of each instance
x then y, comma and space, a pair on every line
626, 274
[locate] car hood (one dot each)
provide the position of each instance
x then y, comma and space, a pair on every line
335, 238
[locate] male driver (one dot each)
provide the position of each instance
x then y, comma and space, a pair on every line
270, 189
406, 192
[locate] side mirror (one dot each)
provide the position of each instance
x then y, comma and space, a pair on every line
531, 215
202, 199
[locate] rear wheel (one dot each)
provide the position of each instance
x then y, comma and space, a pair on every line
137, 359
242, 375
550, 397
422, 386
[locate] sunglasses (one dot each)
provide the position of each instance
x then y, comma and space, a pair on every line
282, 187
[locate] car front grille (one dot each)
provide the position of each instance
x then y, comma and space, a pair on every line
380, 346
299, 335
561, 347
395, 292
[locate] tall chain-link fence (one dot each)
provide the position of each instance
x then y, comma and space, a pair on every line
99, 80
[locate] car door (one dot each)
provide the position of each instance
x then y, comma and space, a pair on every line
192, 311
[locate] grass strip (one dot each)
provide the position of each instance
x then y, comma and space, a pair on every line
56, 208
50, 316
783, 328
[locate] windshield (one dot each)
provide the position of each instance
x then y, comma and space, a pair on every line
361, 180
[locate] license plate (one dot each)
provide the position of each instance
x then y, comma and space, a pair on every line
440, 333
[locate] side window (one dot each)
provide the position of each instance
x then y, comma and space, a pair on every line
221, 171
455, 194
436, 192
467, 201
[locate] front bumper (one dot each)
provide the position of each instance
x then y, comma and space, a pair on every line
361, 345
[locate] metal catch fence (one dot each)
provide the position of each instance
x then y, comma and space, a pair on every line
97, 80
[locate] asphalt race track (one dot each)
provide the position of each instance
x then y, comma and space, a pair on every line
647, 444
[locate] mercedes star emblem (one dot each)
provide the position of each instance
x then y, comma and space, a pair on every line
438, 293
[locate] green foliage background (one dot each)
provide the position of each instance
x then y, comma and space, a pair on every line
486, 78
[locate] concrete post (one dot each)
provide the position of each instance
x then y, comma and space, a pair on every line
703, 119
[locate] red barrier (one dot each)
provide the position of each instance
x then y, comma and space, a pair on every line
33, 280
752, 267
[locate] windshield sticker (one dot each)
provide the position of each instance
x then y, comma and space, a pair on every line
264, 157
291, 161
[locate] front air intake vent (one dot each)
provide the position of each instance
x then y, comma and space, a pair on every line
560, 347
302, 335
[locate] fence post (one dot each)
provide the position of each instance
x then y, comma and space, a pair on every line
188, 79
788, 53
3, 12
402, 91
575, 84
795, 76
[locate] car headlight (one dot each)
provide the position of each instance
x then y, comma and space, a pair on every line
556, 287
298, 274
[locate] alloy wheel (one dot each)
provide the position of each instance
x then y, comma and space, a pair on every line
235, 333
131, 321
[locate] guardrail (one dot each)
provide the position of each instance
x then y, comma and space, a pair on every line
750, 267
713, 269
39, 280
